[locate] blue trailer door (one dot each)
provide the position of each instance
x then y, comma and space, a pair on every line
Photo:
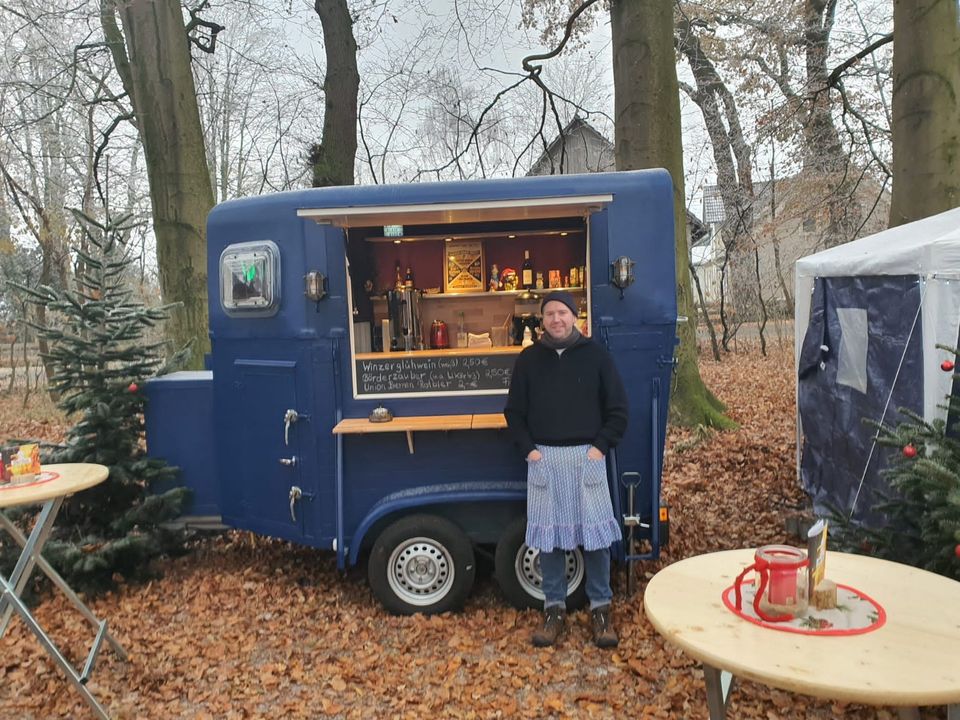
274, 481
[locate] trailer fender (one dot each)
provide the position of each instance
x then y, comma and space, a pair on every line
445, 494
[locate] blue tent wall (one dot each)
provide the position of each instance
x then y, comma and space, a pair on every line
836, 441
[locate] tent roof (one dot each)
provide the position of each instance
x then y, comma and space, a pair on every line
927, 246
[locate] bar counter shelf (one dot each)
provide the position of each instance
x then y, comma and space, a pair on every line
446, 352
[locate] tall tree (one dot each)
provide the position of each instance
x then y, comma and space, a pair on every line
152, 58
647, 135
333, 157
926, 108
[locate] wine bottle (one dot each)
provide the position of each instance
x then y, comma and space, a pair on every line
398, 283
526, 272
408, 279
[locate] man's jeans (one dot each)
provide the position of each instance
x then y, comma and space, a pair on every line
553, 566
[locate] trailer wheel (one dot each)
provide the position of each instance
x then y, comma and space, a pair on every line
421, 564
517, 569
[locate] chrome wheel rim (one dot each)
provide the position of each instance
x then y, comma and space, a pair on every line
530, 577
420, 571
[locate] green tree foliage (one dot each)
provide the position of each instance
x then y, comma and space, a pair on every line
101, 356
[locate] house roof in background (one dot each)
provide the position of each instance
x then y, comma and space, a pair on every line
699, 231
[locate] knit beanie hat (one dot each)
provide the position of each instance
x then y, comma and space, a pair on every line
561, 296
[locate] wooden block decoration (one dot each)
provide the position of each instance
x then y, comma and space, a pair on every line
825, 595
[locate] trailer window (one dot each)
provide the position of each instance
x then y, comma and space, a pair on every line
250, 279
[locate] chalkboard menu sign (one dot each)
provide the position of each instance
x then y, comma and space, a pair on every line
407, 374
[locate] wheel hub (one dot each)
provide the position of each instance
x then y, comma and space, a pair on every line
421, 571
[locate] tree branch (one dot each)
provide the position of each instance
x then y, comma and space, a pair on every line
835, 74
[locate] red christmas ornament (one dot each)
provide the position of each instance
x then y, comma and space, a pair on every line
909, 451
947, 365
956, 551
132, 387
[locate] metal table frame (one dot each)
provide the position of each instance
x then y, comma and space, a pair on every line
13, 586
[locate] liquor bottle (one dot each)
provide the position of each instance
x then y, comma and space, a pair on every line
526, 272
398, 283
408, 279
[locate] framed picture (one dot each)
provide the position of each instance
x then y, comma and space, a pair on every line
463, 266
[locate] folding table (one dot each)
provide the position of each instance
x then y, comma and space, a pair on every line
50, 488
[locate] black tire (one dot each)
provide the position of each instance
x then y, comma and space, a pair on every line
518, 571
421, 564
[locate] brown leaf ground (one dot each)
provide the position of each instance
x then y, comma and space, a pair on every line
247, 627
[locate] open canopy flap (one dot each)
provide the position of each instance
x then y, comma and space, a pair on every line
459, 212
925, 247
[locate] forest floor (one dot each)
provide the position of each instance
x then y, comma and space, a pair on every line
246, 627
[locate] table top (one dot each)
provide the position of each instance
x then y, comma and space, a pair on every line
74, 477
911, 660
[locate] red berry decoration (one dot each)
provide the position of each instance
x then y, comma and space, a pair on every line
132, 387
947, 365
909, 451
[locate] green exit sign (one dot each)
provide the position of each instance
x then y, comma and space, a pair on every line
393, 230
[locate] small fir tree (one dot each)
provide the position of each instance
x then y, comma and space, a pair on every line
923, 507
101, 356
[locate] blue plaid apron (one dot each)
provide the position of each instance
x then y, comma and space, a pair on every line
568, 501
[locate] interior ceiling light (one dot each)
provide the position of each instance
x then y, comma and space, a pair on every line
396, 242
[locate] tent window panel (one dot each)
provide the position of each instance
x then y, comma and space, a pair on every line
852, 363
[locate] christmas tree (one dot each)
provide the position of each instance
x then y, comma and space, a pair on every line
101, 355
923, 506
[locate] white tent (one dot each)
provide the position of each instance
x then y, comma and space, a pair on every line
869, 317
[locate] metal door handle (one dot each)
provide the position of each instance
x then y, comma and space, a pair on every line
289, 417
295, 494
289, 462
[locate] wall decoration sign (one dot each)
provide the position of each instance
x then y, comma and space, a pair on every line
463, 262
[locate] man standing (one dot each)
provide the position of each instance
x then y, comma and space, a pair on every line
566, 409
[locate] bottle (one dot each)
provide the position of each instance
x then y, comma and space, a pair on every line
494, 278
526, 272
539, 281
461, 332
527, 337
408, 279
398, 283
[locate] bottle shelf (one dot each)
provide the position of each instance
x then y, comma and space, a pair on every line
499, 293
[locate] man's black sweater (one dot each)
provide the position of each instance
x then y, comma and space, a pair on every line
575, 398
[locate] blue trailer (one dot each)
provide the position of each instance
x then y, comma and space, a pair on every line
331, 308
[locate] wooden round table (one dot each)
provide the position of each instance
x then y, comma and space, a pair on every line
71, 478
54, 483
912, 660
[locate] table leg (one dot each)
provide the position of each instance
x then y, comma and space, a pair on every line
719, 684
32, 547
15, 604
60, 583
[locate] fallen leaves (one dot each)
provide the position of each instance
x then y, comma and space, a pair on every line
248, 627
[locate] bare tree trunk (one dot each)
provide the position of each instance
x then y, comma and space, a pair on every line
762, 326
706, 314
647, 130
333, 157
152, 57
926, 109
824, 154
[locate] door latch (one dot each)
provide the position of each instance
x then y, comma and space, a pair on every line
289, 418
289, 462
296, 494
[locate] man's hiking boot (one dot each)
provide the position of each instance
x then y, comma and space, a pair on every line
604, 636
553, 621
